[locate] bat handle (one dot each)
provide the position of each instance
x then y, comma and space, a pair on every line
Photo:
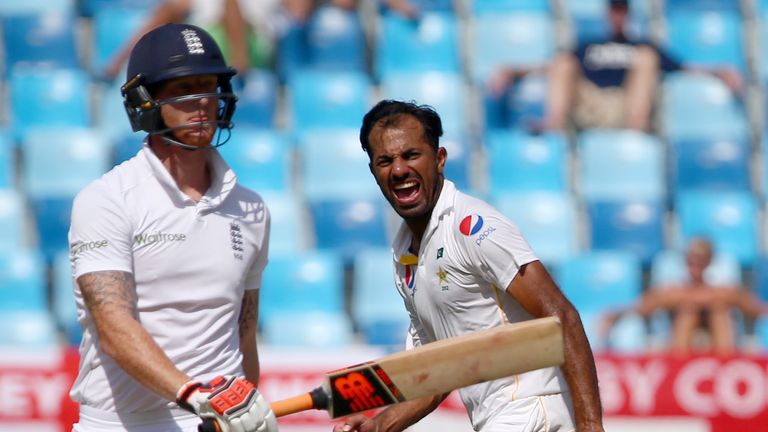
208, 425
316, 399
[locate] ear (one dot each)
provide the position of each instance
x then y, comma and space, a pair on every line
442, 156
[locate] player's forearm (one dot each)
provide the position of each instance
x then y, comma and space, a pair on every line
110, 297
580, 373
129, 344
398, 417
247, 322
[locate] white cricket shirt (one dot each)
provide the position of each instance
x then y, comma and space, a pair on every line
191, 261
468, 256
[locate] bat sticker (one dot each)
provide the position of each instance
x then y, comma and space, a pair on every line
362, 388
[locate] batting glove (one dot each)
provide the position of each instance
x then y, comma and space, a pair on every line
234, 404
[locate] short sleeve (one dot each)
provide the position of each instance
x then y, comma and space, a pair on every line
498, 250
254, 277
100, 234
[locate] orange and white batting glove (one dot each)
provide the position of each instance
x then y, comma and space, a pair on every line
233, 403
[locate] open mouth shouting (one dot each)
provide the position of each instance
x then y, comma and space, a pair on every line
406, 193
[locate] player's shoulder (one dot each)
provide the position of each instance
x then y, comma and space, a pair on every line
466, 205
114, 182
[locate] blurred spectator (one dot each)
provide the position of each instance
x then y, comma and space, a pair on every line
607, 83
701, 314
245, 29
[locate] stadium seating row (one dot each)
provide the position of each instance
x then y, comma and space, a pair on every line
308, 290
600, 210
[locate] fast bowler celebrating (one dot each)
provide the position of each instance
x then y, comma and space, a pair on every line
167, 252
461, 266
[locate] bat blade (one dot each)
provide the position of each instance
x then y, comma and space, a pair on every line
435, 368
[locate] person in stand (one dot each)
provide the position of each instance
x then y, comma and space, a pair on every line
608, 82
461, 266
701, 313
167, 254
244, 30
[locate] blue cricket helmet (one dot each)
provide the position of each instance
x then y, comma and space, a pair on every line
167, 52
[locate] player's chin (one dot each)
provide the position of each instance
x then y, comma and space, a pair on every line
200, 137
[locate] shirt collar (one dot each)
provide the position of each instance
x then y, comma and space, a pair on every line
443, 206
223, 179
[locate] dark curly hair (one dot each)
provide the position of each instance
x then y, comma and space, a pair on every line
389, 112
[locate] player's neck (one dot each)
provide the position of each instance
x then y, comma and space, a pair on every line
189, 169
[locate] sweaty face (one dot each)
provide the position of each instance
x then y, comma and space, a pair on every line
408, 170
192, 120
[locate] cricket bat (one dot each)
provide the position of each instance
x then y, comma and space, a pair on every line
433, 369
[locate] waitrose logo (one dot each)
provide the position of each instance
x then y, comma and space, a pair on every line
81, 247
159, 237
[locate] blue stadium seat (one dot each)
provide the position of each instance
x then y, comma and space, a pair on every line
761, 36
19, 7
600, 280
311, 329
620, 164
90, 8
521, 106
603, 281
762, 167
377, 307
336, 39
761, 334
669, 267
483, 6
697, 105
327, 99
759, 280
703, 5
42, 39
51, 217
63, 304
446, 92
634, 226
426, 6
125, 146
110, 117
28, 329
59, 161
291, 231
587, 19
728, 218
56, 164
528, 39
261, 158
430, 43
706, 37
348, 225
13, 220
711, 163
302, 283
113, 27
22, 281
7, 160
540, 161
549, 220
48, 97
459, 166
332, 164
292, 50
257, 100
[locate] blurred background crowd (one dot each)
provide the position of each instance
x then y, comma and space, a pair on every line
611, 187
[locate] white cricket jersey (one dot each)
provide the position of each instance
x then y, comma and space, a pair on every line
468, 256
191, 261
